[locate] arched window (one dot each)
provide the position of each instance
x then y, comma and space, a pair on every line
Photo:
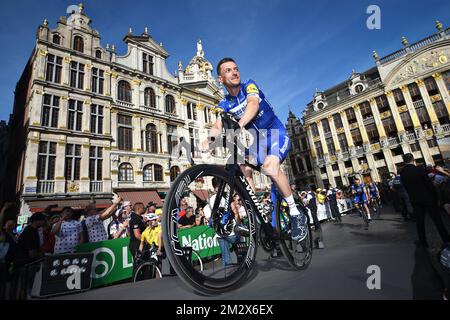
149, 98
56, 39
126, 172
151, 138
170, 104
98, 54
124, 91
78, 44
174, 172
153, 172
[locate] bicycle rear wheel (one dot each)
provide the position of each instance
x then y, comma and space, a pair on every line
145, 271
219, 271
299, 255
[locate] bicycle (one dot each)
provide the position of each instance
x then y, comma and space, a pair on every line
147, 266
221, 277
363, 214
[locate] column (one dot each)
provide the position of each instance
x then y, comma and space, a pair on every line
106, 169
330, 174
311, 142
114, 134
63, 111
41, 61
162, 130
395, 113
389, 159
85, 183
411, 108
343, 172
348, 134
322, 139
443, 90
30, 164
428, 104
377, 118
362, 128
355, 165
161, 106
107, 83
372, 166
426, 151
65, 74
88, 77
86, 118
107, 120
36, 108
60, 180
114, 76
136, 93
137, 133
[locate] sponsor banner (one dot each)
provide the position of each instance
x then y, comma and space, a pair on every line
202, 239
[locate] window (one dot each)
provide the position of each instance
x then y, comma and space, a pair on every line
446, 77
191, 111
320, 105
125, 132
50, 110
389, 126
432, 143
304, 144
174, 172
172, 139
314, 130
414, 91
147, 63
98, 54
398, 97
73, 161
343, 142
149, 98
126, 172
96, 119
441, 112
372, 133
330, 146
151, 138
53, 68
46, 160
359, 88
76, 75
406, 120
75, 116
351, 116
124, 91
170, 104
95, 163
422, 114
78, 44
415, 146
206, 115
337, 121
97, 80
326, 126
382, 103
366, 111
195, 141
356, 136
335, 167
319, 150
308, 163
56, 39
431, 86
153, 172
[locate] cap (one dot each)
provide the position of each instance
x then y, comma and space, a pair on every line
37, 217
150, 216
158, 211
318, 190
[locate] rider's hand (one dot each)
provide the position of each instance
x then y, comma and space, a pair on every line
158, 253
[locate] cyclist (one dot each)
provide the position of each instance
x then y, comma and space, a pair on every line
360, 196
374, 194
248, 104
152, 235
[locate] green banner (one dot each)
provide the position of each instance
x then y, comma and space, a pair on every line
112, 260
202, 239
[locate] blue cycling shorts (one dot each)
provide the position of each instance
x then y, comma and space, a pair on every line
271, 141
360, 199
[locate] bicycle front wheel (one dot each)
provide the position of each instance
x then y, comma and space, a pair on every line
145, 271
220, 268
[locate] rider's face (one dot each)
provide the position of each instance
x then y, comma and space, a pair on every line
229, 74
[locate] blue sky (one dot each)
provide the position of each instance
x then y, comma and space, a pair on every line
289, 48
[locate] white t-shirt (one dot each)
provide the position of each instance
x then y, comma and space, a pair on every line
68, 237
207, 209
96, 229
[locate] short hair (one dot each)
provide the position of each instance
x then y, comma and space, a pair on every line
68, 210
221, 62
138, 205
408, 158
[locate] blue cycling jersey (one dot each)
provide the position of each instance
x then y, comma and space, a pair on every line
358, 189
373, 188
270, 135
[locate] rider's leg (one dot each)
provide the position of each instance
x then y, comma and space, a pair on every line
248, 173
366, 207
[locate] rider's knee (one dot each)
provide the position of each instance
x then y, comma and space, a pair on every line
271, 166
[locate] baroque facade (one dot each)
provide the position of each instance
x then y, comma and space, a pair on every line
363, 126
88, 122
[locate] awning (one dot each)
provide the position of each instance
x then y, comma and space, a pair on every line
76, 204
144, 196
201, 194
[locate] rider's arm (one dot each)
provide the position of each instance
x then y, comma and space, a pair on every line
216, 128
250, 111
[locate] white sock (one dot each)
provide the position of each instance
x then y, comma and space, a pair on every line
293, 211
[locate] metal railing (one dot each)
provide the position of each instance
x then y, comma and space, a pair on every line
410, 137
393, 141
369, 120
96, 186
45, 186
418, 104
445, 128
124, 104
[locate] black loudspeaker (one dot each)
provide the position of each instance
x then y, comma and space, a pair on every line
61, 274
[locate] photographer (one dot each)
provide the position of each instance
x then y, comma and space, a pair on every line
68, 232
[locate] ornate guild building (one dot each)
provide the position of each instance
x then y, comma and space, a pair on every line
87, 121
363, 126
